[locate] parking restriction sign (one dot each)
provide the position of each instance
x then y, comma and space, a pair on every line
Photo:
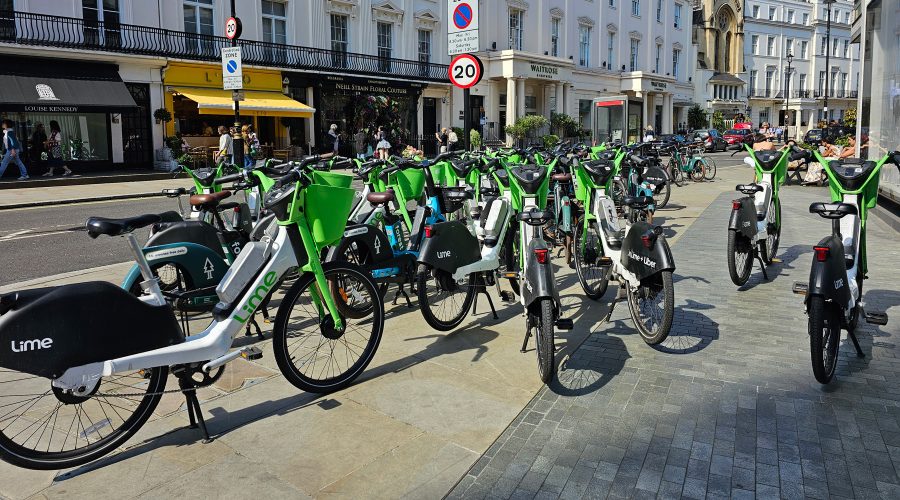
462, 30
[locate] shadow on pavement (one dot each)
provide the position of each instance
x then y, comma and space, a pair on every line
593, 366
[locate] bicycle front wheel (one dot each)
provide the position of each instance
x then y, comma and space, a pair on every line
542, 329
45, 428
312, 352
593, 277
661, 195
677, 175
698, 172
709, 166
773, 237
444, 302
652, 307
824, 337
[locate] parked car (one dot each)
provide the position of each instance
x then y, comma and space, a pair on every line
738, 137
813, 136
671, 138
713, 140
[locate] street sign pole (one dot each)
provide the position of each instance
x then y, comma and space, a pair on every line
238, 158
462, 38
467, 116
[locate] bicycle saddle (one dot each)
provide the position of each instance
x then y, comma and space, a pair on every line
210, 200
116, 227
562, 177
833, 210
749, 188
381, 198
637, 201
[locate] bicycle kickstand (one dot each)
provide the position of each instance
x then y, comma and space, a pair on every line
762, 265
859, 351
481, 288
402, 291
525, 342
620, 294
195, 415
259, 332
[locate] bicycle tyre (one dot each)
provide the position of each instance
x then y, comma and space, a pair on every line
824, 338
510, 254
32, 458
619, 192
677, 176
582, 266
542, 326
427, 274
284, 355
769, 247
661, 195
710, 168
352, 252
698, 172
740, 257
659, 284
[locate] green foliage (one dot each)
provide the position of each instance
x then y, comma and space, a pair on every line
564, 125
163, 115
550, 140
460, 133
697, 117
474, 139
173, 142
525, 126
718, 121
850, 117
822, 124
843, 140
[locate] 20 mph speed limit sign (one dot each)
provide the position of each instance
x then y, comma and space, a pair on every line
466, 71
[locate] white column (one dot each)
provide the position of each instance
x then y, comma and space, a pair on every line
667, 114
648, 101
520, 97
548, 91
310, 122
567, 98
559, 98
510, 101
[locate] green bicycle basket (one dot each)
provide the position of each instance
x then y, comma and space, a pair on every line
583, 185
327, 203
410, 183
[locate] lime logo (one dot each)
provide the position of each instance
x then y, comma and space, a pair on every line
31, 345
256, 298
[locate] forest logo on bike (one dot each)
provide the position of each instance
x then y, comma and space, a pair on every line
256, 298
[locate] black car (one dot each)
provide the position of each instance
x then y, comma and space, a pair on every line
712, 139
813, 136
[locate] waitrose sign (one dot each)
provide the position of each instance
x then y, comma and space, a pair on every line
544, 71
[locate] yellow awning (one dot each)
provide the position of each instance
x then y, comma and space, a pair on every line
256, 103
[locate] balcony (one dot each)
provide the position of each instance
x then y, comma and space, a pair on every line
23, 28
836, 94
802, 94
763, 93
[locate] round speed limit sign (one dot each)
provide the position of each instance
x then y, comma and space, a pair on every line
233, 28
466, 71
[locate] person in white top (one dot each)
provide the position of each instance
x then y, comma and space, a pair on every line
226, 146
649, 136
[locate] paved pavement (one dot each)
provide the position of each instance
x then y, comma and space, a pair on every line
727, 407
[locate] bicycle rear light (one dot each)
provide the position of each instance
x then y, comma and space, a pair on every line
736, 204
541, 254
822, 253
428, 231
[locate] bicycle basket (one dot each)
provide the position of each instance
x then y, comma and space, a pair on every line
410, 183
583, 184
327, 203
453, 199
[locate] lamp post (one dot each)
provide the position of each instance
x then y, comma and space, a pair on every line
827, 51
787, 96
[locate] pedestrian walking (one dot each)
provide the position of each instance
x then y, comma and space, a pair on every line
359, 141
452, 140
226, 146
37, 145
383, 146
251, 145
12, 147
334, 138
442, 139
55, 151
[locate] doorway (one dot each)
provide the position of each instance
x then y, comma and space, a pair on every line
476, 110
265, 130
429, 125
657, 125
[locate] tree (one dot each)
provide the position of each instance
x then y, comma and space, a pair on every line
696, 117
718, 121
564, 125
525, 126
850, 117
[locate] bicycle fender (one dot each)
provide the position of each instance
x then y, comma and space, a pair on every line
131, 278
203, 266
450, 247
829, 279
744, 219
369, 237
539, 278
642, 261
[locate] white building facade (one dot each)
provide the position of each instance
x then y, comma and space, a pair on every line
556, 56
820, 72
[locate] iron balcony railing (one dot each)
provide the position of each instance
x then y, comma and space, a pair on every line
25, 28
838, 94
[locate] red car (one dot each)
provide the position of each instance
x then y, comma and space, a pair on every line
738, 137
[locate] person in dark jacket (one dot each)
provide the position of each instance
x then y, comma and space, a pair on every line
13, 148
36, 146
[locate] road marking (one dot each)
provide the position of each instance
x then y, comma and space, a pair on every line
15, 237
17, 233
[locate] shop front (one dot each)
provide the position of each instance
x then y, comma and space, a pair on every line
86, 99
199, 105
357, 104
656, 95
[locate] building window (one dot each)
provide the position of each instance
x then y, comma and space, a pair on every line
790, 17
770, 76
753, 75
612, 3
94, 12
847, 49
802, 82
584, 45
771, 13
636, 7
659, 11
805, 18
385, 45
610, 50
424, 46
804, 49
340, 40
677, 15
554, 37
530, 103
847, 17
770, 46
789, 46
834, 82
764, 115
756, 12
754, 43
635, 48
274, 21
676, 60
844, 82
658, 56
821, 82
834, 47
515, 28
198, 17
824, 49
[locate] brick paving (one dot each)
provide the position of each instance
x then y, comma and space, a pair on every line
727, 407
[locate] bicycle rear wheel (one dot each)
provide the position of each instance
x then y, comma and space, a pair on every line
541, 326
652, 307
311, 352
740, 257
661, 195
824, 337
698, 172
709, 166
45, 428
593, 277
444, 302
677, 175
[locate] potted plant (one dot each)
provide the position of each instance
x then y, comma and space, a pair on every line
162, 115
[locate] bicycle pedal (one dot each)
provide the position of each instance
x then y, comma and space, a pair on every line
604, 261
565, 324
800, 288
507, 296
512, 276
252, 353
776, 260
876, 318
